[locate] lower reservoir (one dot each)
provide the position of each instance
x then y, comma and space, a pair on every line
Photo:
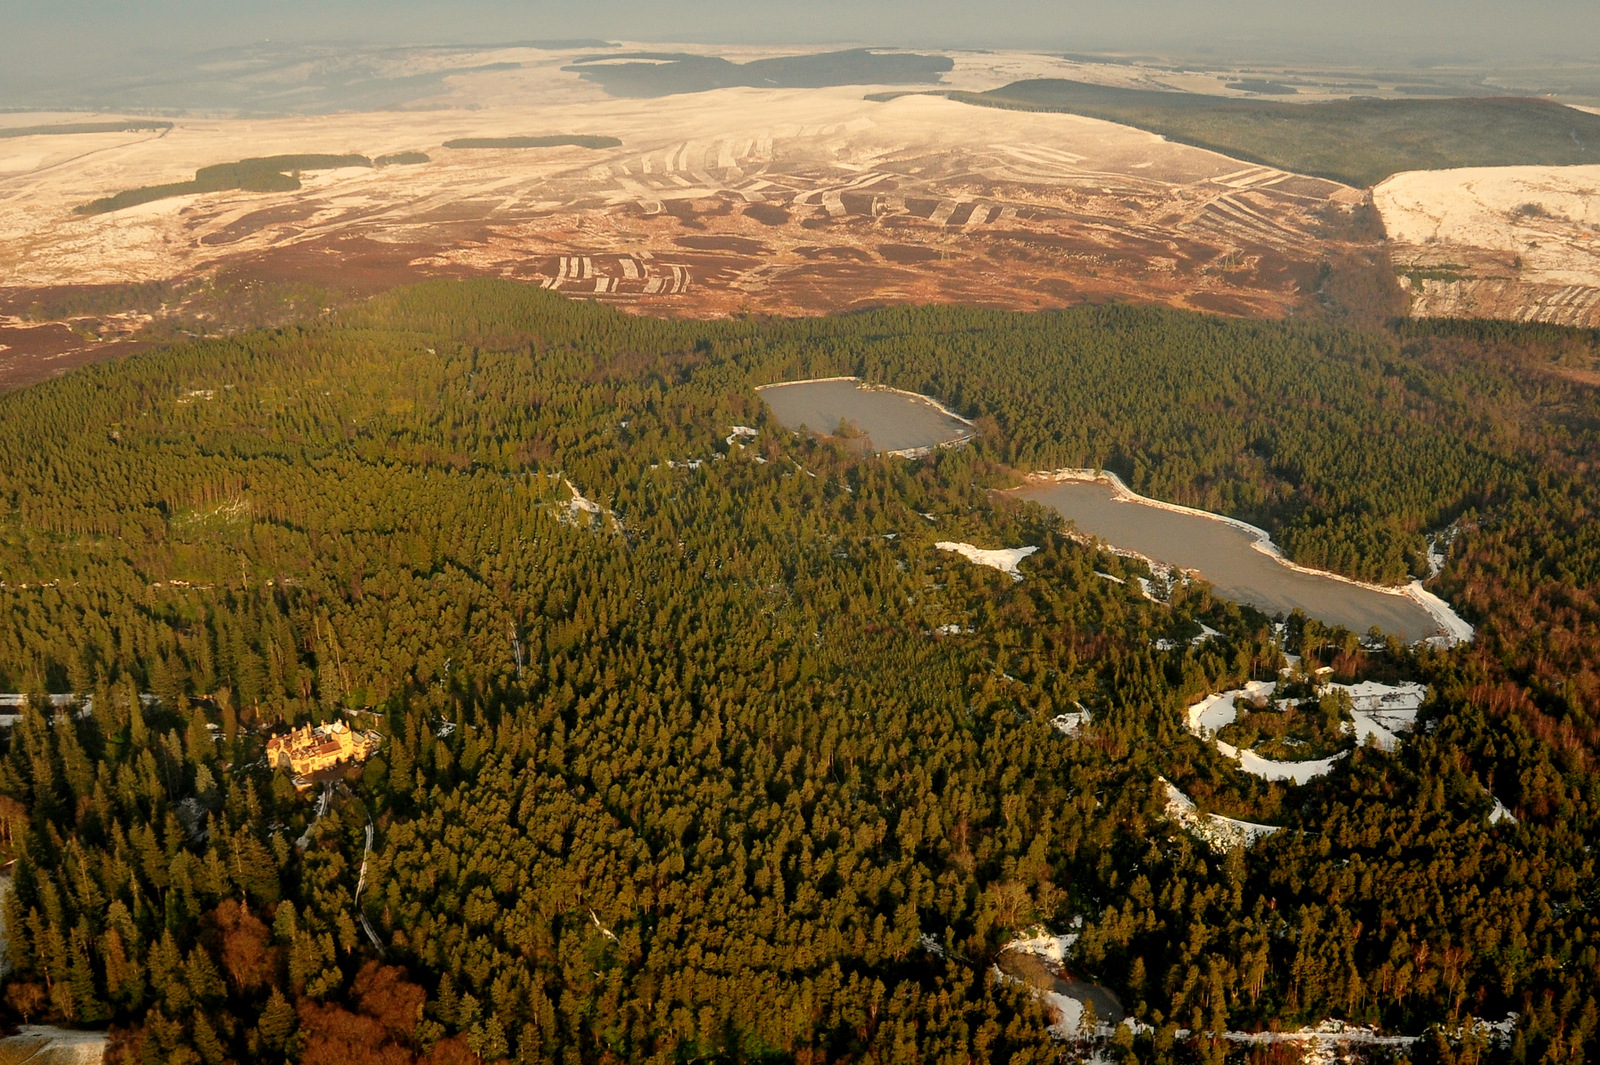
1226, 554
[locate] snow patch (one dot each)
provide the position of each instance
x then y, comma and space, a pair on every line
1456, 628
1323, 1041
1494, 1031
1041, 944
1004, 559
1068, 1014
587, 508
1267, 769
1221, 834
1066, 1011
1439, 547
1070, 723
1377, 710
1214, 712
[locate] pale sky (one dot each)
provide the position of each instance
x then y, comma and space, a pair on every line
1425, 28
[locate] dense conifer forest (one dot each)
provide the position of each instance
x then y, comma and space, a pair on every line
720, 759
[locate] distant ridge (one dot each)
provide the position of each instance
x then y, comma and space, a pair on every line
1358, 142
667, 73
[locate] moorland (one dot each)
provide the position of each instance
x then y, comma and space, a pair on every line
759, 198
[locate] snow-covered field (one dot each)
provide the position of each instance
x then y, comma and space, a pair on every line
1511, 241
1547, 215
1382, 710
536, 213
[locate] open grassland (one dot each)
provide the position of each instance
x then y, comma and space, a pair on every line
743, 200
784, 202
1358, 142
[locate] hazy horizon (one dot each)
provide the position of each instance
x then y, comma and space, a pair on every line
37, 33
175, 56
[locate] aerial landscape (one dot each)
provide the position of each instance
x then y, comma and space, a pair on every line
878, 533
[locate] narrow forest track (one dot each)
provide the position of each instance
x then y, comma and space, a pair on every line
361, 882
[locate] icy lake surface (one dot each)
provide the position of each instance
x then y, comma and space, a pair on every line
1225, 555
894, 421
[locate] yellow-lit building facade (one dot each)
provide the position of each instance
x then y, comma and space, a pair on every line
311, 749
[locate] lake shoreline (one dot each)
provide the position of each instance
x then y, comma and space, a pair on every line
965, 435
875, 388
1455, 628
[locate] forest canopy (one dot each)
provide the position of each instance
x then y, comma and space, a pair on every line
274, 173
1359, 141
694, 746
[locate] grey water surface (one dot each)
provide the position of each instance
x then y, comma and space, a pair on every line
1223, 554
893, 421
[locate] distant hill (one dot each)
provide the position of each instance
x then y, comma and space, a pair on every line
649, 74
1357, 142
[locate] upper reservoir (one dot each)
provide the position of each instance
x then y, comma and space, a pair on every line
894, 421
1225, 554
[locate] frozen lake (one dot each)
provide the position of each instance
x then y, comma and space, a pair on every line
893, 421
1225, 555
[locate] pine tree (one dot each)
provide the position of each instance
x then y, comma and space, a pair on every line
277, 1023
210, 1047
